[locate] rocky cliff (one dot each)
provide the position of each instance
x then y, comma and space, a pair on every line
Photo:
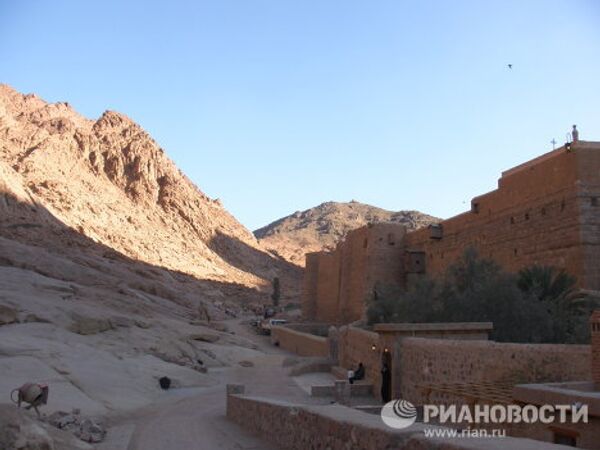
109, 181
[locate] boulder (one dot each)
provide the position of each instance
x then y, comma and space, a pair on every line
204, 337
218, 326
90, 325
7, 315
19, 431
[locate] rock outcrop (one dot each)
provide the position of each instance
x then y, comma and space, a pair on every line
323, 226
109, 181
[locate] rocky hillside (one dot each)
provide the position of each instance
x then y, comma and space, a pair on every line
323, 226
115, 270
108, 180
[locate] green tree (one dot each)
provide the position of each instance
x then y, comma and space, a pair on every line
537, 305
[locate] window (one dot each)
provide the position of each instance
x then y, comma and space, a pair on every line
391, 239
436, 231
594, 201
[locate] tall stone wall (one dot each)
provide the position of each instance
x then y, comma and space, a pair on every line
546, 212
541, 213
338, 283
589, 212
310, 283
595, 325
353, 265
433, 361
328, 286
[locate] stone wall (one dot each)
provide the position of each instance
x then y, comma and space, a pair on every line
355, 345
595, 325
532, 218
336, 427
337, 283
546, 212
434, 361
309, 288
303, 344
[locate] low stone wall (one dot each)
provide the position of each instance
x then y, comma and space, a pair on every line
302, 344
336, 427
318, 329
434, 361
355, 345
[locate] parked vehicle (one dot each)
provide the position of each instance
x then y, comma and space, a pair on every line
266, 325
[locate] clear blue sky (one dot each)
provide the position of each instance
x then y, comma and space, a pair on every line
276, 106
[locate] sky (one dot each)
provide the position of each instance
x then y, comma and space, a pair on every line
275, 106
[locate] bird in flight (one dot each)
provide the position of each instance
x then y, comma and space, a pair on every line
510, 66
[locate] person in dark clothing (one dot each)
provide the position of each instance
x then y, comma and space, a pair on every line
359, 373
386, 381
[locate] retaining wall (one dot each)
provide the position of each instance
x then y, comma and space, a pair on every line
302, 344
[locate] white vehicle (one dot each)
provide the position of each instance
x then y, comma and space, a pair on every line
267, 324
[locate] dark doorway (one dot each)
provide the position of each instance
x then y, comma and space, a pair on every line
386, 376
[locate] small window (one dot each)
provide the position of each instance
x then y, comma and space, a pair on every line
562, 205
436, 231
365, 242
594, 201
391, 239
512, 220
475, 207
526, 216
543, 211
516, 252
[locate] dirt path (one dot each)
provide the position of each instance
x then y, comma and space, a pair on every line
194, 419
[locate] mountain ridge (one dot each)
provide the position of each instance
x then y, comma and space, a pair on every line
323, 226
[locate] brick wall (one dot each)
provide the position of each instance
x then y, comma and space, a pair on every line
432, 361
595, 325
302, 344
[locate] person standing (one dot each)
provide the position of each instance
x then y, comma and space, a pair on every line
386, 382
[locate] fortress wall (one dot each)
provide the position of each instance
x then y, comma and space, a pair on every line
328, 287
533, 218
309, 289
589, 211
545, 211
353, 262
385, 255
595, 325
434, 361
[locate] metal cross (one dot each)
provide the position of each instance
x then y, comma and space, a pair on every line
553, 142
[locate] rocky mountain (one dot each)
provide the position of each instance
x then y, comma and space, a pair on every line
115, 269
109, 181
323, 226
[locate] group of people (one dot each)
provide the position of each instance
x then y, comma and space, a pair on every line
386, 379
